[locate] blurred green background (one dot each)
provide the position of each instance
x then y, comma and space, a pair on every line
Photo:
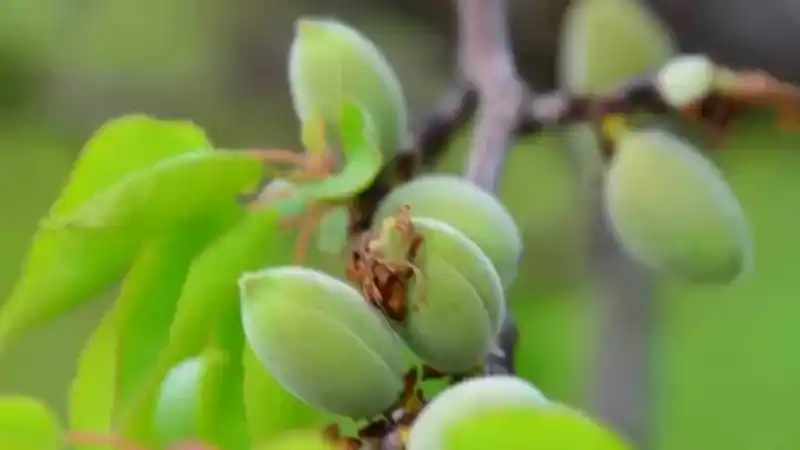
726, 374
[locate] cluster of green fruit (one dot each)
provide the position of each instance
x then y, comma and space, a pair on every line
329, 345
667, 205
205, 283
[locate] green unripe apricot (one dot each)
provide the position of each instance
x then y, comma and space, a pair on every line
330, 63
505, 412
473, 211
178, 406
672, 209
456, 310
321, 340
465, 400
605, 42
554, 428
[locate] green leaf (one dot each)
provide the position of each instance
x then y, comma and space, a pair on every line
122, 146
147, 303
332, 230
172, 190
27, 424
222, 419
362, 157
91, 396
271, 409
210, 291
62, 268
321, 340
552, 428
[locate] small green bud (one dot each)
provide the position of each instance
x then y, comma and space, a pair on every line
331, 63
685, 80
321, 340
672, 209
178, 406
477, 214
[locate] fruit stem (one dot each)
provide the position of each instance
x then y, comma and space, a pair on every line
280, 156
89, 438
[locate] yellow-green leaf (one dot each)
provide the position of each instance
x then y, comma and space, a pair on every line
271, 409
222, 418
91, 396
362, 157
122, 146
27, 424
65, 268
172, 190
147, 304
210, 291
298, 440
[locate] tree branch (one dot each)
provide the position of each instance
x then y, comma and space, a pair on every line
486, 62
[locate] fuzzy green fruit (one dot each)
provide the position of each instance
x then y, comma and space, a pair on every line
331, 63
321, 340
178, 406
605, 42
554, 428
504, 412
685, 80
466, 399
456, 310
448, 243
672, 209
474, 212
